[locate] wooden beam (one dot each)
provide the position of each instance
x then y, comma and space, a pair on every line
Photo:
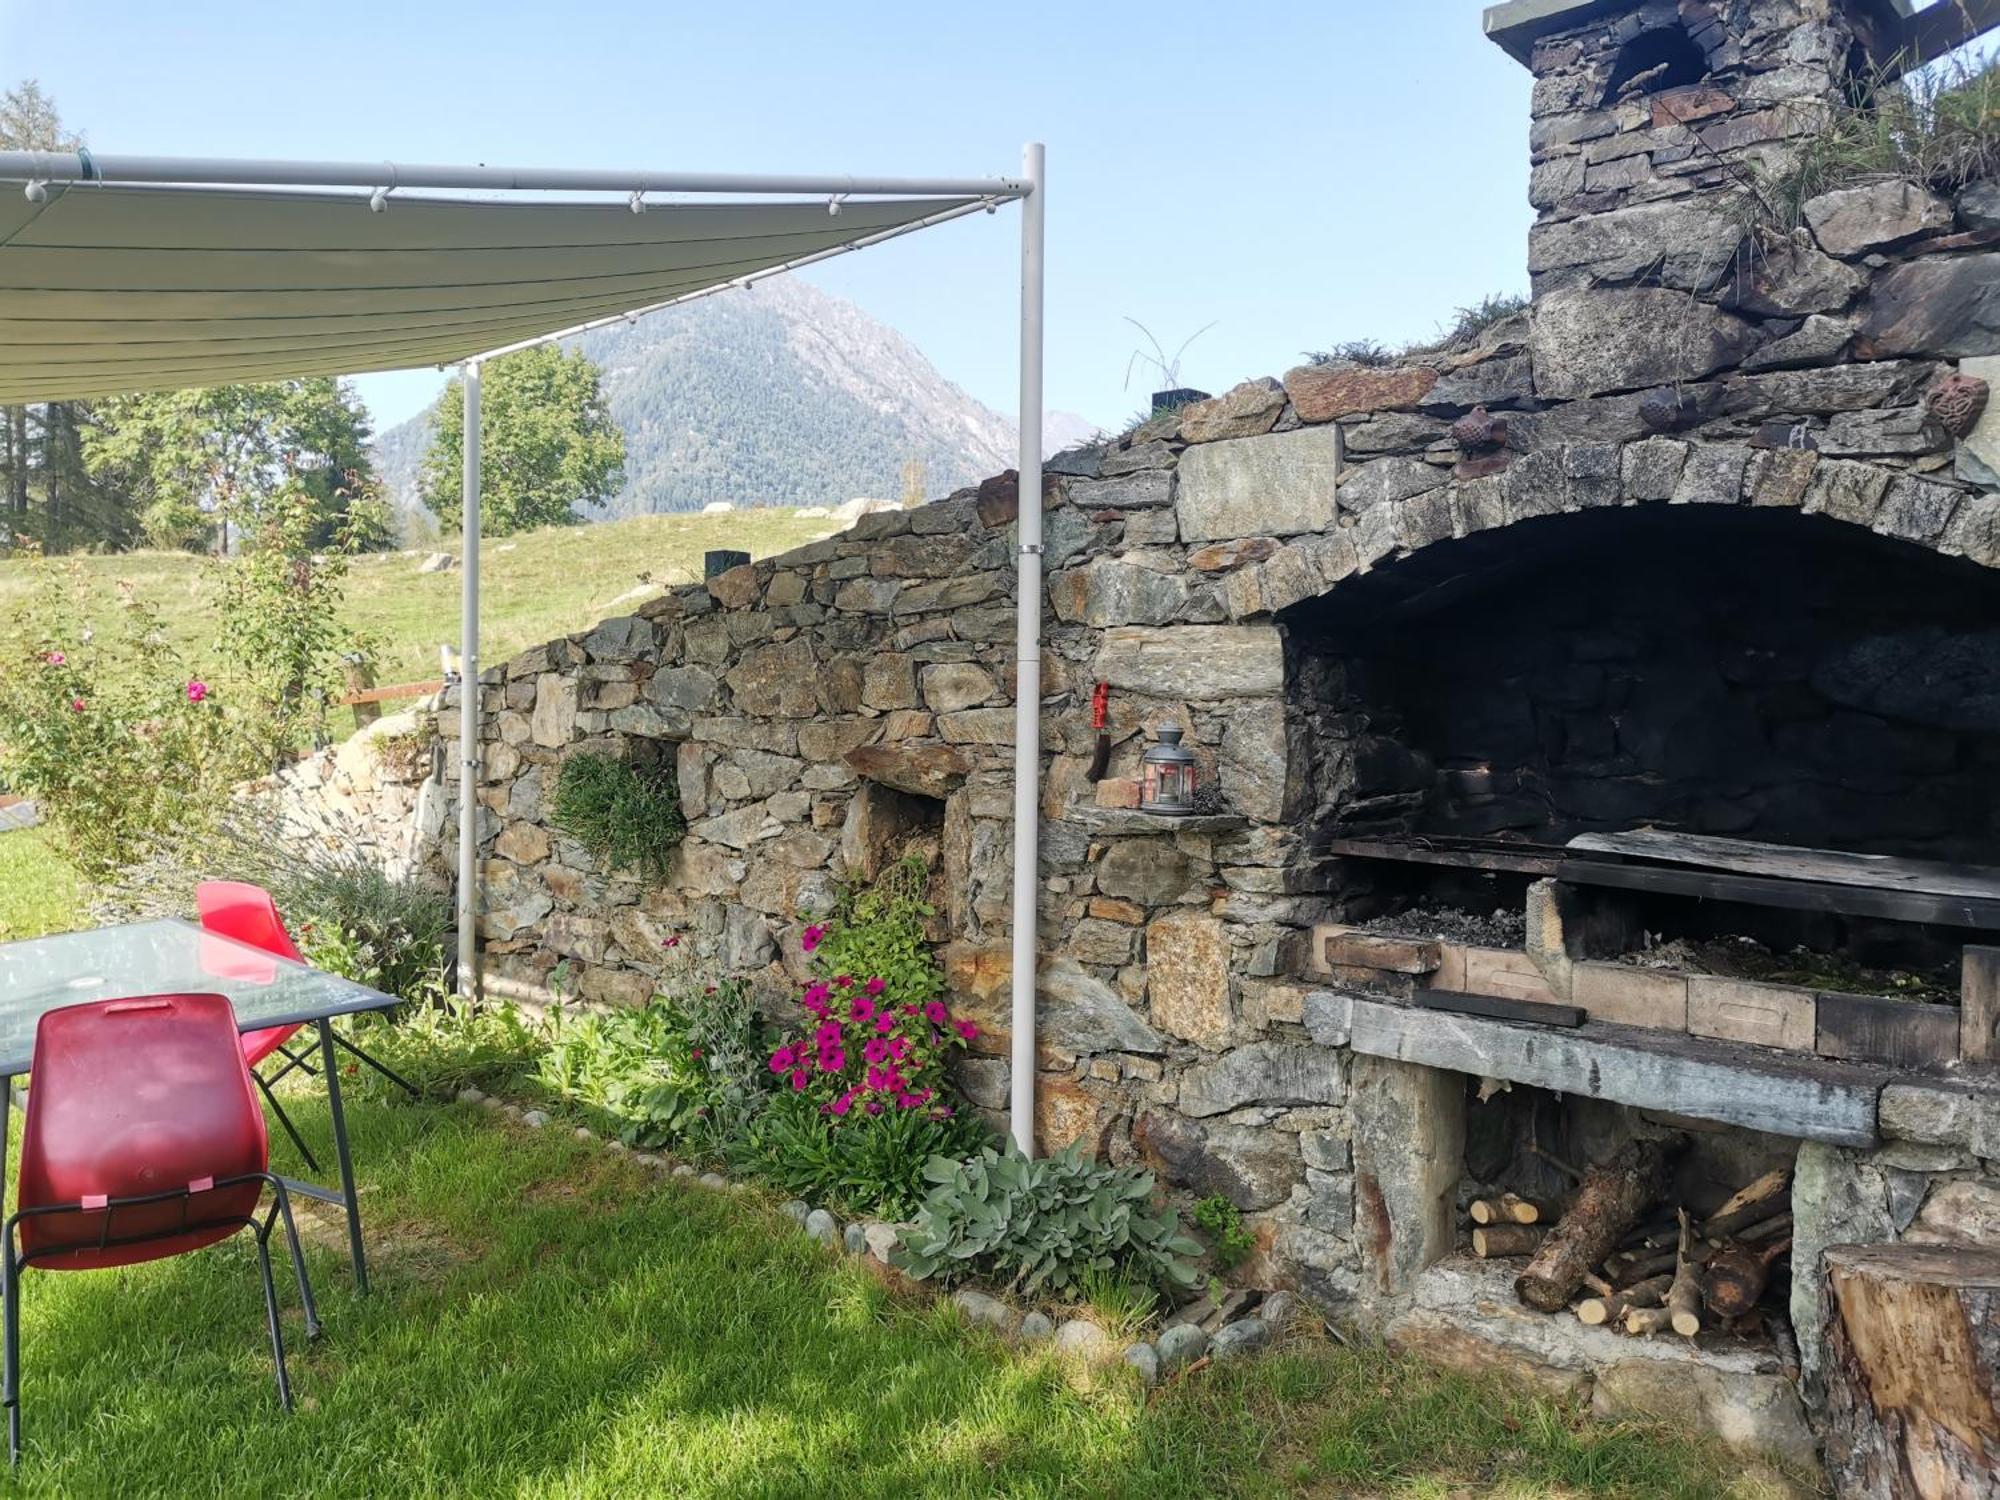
1938, 29
1795, 1094
1979, 1005
1529, 861
391, 693
1790, 895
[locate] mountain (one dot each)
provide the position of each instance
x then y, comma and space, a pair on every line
782, 395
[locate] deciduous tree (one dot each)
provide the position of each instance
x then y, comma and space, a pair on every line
547, 445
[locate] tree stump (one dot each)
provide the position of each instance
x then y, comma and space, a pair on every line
1911, 1367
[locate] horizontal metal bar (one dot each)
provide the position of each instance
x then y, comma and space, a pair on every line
314, 1191
92, 166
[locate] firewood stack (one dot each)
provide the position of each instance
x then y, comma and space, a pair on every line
1621, 1256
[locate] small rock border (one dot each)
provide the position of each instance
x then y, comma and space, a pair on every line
1204, 1332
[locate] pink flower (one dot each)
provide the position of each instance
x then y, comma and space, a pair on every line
817, 1007
863, 1009
936, 1014
876, 1051
672, 942
55, 658
811, 938
799, 1081
694, 1052
878, 1078
899, 1048
783, 1059
874, 986
909, 1010
845, 981
966, 1030
832, 1060
827, 1035
885, 1023
843, 1104
874, 1106
907, 1101
77, 704
196, 691
816, 992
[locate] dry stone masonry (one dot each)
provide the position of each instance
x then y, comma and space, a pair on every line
1689, 370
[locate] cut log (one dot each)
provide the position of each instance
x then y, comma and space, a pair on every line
1592, 1311
1911, 1365
1772, 1228
1644, 1322
1519, 1210
1608, 1199
1484, 1211
1759, 1200
1494, 1241
1736, 1277
1684, 1295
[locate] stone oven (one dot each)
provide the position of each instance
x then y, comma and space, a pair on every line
1529, 675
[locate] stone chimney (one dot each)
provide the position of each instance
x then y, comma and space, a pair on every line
1656, 126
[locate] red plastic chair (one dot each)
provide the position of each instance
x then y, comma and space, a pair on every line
142, 1140
234, 909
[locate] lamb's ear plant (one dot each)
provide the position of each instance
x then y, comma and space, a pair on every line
1058, 1225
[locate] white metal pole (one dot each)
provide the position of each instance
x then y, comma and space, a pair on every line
468, 700
1028, 663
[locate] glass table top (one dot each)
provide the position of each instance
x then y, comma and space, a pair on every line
162, 958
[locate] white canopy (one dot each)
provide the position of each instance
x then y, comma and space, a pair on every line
112, 288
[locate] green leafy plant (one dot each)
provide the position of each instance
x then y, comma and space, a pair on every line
866, 1164
1044, 1224
686, 1069
1365, 352
624, 812
453, 1044
1222, 1222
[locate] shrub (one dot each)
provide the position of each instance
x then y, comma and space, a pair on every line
1048, 1224
1222, 1222
118, 741
347, 914
622, 812
866, 1164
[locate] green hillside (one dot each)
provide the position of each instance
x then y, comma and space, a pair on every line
534, 586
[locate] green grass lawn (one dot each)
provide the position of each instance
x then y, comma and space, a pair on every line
552, 1320
533, 587
39, 891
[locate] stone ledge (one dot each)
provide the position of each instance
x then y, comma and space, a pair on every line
1131, 820
1807, 1097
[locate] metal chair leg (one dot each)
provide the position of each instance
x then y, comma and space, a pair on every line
271, 1314
379, 1066
271, 1098
10, 1361
298, 1261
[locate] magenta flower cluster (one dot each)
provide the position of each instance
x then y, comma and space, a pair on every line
866, 1051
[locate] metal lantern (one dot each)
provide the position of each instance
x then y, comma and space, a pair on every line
1169, 775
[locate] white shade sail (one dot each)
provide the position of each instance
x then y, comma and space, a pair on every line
109, 288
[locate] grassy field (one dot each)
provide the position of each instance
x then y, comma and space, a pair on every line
39, 892
549, 1319
533, 587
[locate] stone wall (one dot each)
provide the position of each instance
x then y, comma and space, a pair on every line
824, 707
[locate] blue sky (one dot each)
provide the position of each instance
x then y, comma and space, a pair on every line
1297, 175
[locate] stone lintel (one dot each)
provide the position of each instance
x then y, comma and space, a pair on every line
1805, 1097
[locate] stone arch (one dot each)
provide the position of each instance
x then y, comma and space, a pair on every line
1563, 479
